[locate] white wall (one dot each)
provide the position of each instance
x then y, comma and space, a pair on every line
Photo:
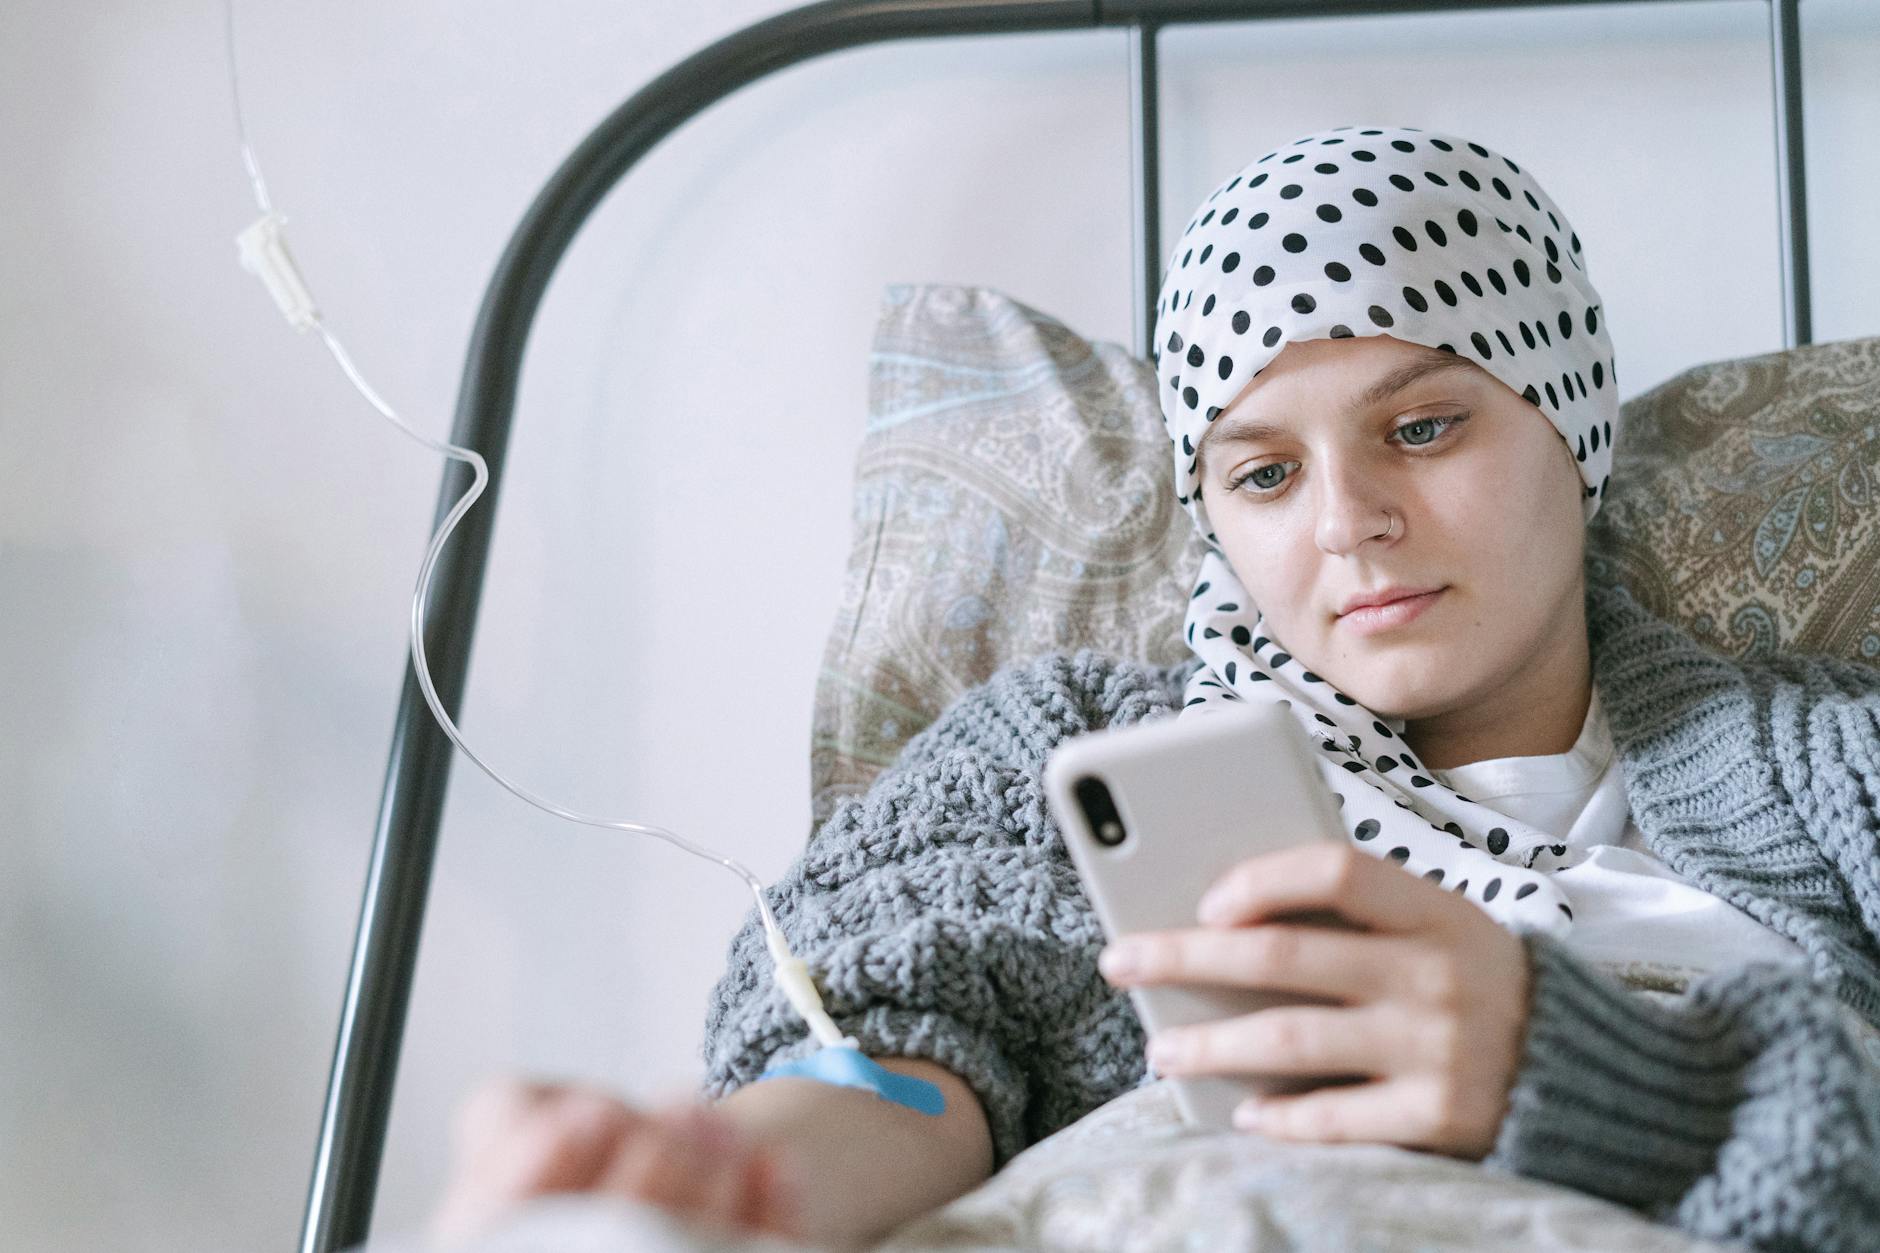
208, 543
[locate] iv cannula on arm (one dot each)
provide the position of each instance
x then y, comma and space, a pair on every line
263, 252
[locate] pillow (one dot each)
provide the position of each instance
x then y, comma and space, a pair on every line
1745, 502
1013, 496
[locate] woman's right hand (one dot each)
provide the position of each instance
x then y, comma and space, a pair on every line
515, 1140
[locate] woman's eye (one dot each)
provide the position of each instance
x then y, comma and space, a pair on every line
1264, 478
1421, 431
1417, 433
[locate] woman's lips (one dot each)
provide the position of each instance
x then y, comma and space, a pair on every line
1374, 618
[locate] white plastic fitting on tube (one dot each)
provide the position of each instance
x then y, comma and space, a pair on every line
264, 253
793, 977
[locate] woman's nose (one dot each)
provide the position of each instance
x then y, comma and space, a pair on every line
1351, 511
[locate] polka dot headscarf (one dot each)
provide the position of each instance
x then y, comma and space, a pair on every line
1434, 240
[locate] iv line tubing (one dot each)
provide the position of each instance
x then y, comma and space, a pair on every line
793, 974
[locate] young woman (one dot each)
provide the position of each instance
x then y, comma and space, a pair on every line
1390, 400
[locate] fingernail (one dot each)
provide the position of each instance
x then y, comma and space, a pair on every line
1119, 960
1247, 1115
1213, 907
1166, 1051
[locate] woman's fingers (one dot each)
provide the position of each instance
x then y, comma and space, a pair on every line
657, 1164
517, 1139
523, 1137
1342, 965
1289, 1040
568, 1139
1373, 892
1411, 1112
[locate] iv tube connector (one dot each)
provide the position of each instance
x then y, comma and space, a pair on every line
264, 254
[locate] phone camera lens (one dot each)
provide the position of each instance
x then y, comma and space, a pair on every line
1100, 811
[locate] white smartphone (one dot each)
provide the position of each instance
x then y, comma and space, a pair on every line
1153, 815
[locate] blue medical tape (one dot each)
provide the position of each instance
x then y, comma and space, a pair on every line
848, 1068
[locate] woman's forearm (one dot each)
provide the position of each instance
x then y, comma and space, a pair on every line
867, 1165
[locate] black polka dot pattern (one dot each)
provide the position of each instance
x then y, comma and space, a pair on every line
1435, 240
1381, 230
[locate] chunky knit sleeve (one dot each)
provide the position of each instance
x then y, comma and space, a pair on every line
942, 918
1748, 1109
1744, 1112
1820, 717
1757, 780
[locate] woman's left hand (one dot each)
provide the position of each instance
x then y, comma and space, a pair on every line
1432, 999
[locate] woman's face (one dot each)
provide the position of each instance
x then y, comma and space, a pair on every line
1301, 473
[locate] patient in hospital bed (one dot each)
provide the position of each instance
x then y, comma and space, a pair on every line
1616, 896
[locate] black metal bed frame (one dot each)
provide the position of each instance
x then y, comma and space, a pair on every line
385, 947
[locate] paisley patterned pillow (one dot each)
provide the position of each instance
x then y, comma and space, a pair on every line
1013, 496
1745, 502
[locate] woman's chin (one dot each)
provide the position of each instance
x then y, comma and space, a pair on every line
1414, 684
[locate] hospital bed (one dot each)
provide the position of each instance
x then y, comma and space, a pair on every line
372, 1019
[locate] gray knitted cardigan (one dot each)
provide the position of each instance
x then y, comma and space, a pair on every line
943, 919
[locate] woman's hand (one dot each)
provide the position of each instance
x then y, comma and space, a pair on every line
1432, 999
517, 1140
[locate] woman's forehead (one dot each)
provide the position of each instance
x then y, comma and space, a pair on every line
1358, 356
1345, 379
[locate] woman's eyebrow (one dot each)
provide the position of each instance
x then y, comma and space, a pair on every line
1247, 430
1404, 375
